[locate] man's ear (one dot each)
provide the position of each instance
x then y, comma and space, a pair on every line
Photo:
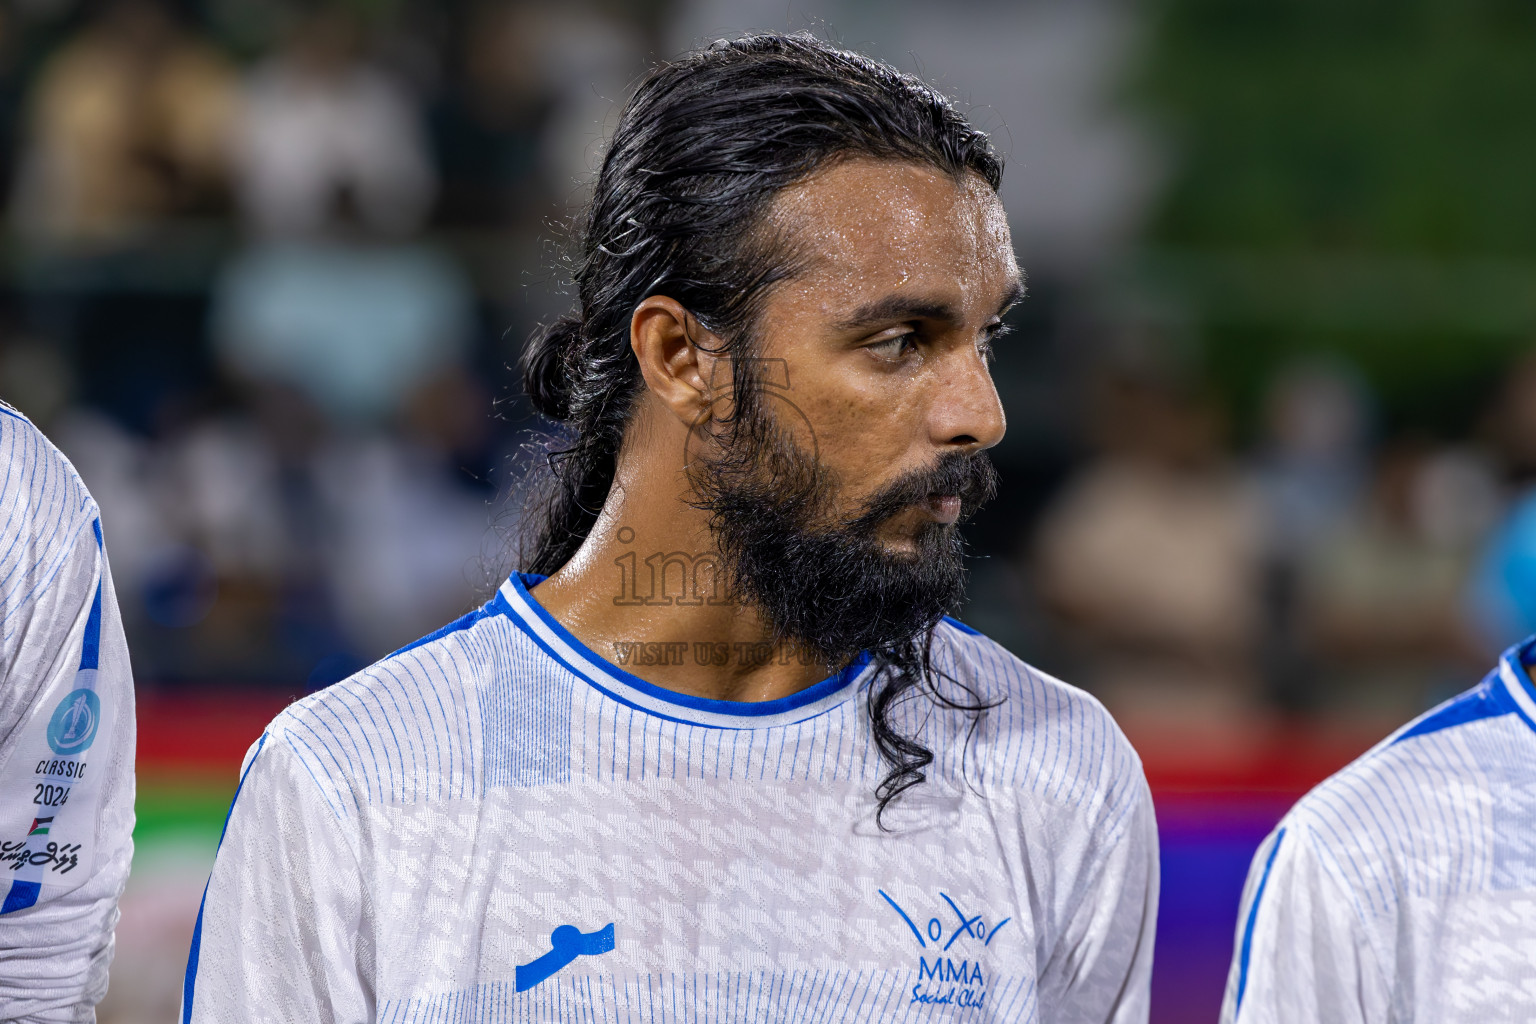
678, 357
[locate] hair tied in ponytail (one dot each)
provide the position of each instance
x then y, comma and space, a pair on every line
546, 367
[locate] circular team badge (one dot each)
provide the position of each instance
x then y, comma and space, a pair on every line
74, 722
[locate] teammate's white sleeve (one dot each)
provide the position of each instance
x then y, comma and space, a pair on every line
1101, 972
66, 738
1302, 951
284, 933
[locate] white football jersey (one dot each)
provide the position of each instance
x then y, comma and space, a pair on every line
1403, 889
66, 737
497, 824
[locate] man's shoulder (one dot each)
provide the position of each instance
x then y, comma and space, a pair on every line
1432, 758
49, 529
35, 473
1035, 699
423, 674
1040, 734
408, 720
1418, 805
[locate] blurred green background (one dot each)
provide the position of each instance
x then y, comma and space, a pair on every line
1354, 179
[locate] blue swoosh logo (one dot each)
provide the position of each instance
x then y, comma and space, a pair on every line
568, 943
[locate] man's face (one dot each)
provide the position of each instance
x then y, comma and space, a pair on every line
884, 334
836, 499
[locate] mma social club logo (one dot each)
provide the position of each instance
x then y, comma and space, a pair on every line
72, 728
950, 944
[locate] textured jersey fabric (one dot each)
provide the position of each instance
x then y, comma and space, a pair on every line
495, 824
66, 737
1403, 889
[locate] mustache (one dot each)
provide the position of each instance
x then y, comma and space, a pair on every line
971, 477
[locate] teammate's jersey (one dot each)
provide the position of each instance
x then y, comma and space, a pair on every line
496, 824
66, 737
1403, 889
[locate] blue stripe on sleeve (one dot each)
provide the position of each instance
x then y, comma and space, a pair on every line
21, 896
1253, 913
197, 929
90, 651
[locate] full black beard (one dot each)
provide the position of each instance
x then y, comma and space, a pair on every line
824, 582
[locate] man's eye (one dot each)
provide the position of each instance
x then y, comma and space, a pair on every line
990, 336
895, 348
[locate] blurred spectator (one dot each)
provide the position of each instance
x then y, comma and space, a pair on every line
127, 131
1151, 557
35, 377
534, 89
403, 549
301, 513
489, 125
586, 58
355, 326
339, 326
338, 344
1310, 470
1314, 461
196, 524
326, 140
1500, 603
263, 547
128, 124
334, 299
125, 470
1379, 595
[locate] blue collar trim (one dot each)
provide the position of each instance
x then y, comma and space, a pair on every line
635, 692
1517, 678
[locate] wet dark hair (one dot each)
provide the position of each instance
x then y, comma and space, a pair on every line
700, 152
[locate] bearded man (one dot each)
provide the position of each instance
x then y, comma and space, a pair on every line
716, 752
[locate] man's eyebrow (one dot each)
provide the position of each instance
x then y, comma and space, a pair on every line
897, 308
894, 308
1015, 295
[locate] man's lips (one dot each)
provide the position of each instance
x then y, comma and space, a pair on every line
943, 507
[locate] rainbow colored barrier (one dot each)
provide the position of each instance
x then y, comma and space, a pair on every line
1216, 801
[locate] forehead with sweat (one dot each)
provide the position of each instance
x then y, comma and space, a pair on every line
862, 225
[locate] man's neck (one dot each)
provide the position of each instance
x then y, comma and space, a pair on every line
646, 591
